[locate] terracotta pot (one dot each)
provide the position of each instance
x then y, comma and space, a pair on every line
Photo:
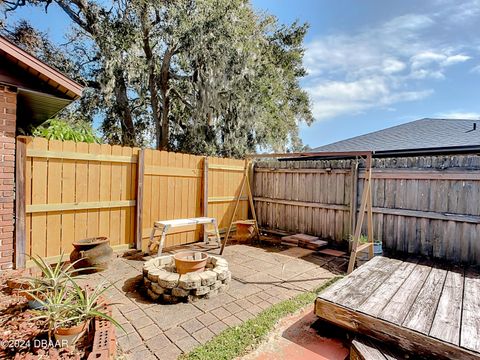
69, 336
245, 230
94, 252
190, 261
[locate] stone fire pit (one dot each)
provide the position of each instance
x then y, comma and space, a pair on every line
164, 284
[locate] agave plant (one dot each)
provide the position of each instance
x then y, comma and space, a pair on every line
88, 304
64, 303
53, 277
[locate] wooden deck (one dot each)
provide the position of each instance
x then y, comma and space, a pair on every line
424, 308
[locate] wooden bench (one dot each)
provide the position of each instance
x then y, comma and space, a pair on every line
165, 225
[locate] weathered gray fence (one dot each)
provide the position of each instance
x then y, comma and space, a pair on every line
425, 205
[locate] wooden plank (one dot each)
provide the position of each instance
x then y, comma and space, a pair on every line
116, 193
54, 195
336, 290
93, 191
375, 303
301, 171
124, 195
409, 340
139, 201
81, 193
81, 155
424, 174
399, 305
470, 330
421, 314
363, 285
428, 215
303, 203
223, 199
172, 171
20, 204
105, 192
226, 167
39, 196
365, 350
447, 321
40, 208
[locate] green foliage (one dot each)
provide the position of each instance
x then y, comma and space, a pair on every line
210, 77
56, 129
63, 302
236, 341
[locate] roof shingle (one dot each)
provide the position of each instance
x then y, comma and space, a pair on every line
419, 134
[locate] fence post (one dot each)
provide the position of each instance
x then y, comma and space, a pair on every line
353, 200
140, 177
205, 195
20, 206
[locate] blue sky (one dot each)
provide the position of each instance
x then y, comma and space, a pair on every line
372, 63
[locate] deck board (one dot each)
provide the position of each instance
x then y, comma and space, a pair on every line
446, 325
421, 314
399, 305
382, 295
470, 331
421, 307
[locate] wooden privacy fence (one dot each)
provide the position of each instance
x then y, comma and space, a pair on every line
182, 186
424, 205
67, 191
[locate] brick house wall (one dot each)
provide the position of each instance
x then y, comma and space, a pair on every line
8, 108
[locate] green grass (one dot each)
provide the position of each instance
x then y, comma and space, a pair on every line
238, 340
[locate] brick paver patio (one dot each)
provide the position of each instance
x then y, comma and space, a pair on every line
261, 276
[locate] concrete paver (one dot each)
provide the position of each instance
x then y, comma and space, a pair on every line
260, 277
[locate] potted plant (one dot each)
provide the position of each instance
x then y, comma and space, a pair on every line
50, 278
69, 309
66, 307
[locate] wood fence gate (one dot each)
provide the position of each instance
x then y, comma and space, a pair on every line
67, 191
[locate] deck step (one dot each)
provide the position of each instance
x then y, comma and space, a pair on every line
364, 349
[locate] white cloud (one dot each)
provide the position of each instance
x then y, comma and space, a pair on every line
476, 69
334, 98
459, 115
378, 66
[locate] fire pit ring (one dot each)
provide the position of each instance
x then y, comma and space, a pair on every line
163, 283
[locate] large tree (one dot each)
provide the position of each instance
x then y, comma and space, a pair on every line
204, 76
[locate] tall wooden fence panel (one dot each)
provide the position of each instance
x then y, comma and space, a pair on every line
421, 205
185, 186
172, 190
74, 191
224, 183
68, 191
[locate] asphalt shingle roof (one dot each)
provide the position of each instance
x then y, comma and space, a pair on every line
419, 134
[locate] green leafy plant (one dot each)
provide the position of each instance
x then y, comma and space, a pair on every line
56, 129
63, 302
52, 278
362, 240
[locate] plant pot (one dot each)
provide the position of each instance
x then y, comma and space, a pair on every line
190, 261
69, 336
377, 248
94, 253
245, 230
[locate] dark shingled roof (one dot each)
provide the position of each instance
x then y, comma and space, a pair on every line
419, 134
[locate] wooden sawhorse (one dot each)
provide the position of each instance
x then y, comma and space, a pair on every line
165, 225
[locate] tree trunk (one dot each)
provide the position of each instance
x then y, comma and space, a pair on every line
152, 85
123, 110
163, 143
